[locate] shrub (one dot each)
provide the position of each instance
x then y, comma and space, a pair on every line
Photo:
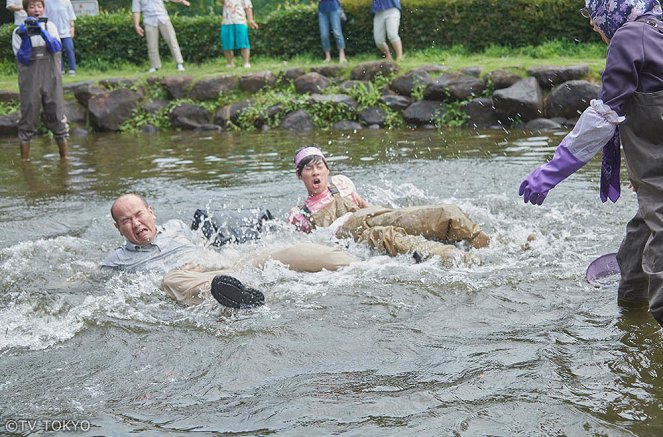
292, 30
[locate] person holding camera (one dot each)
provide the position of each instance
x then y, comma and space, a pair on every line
37, 48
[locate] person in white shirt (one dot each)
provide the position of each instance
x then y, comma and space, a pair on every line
61, 13
156, 20
16, 6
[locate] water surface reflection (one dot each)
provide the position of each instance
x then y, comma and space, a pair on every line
519, 345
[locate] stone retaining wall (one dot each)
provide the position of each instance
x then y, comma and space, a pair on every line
549, 98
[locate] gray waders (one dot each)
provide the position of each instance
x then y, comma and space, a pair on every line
640, 256
40, 85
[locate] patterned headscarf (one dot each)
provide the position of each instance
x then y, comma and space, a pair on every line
610, 15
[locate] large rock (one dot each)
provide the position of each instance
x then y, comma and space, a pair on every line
230, 113
453, 86
189, 117
397, 103
75, 112
117, 82
481, 113
424, 112
405, 84
350, 85
373, 116
346, 125
474, 71
9, 124
550, 76
109, 110
501, 79
154, 106
368, 70
177, 87
311, 83
267, 116
291, 74
297, 121
521, 100
570, 99
329, 70
209, 88
334, 99
254, 82
84, 91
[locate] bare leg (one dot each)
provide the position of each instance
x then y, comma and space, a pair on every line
229, 57
398, 48
25, 151
246, 54
327, 56
341, 56
63, 145
385, 51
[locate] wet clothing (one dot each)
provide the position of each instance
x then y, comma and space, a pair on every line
40, 87
630, 104
430, 229
176, 250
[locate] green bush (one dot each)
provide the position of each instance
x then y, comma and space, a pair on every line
292, 30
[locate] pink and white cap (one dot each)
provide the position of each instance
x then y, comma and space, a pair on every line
307, 151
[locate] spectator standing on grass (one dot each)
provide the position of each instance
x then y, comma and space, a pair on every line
329, 16
16, 6
237, 17
386, 21
61, 13
156, 20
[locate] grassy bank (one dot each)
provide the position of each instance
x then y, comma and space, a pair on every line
517, 60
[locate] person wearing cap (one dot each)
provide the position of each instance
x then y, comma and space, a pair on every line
628, 112
420, 230
191, 270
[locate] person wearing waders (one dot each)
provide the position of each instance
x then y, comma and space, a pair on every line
629, 110
37, 48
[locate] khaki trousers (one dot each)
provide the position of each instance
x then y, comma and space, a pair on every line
168, 33
426, 229
189, 287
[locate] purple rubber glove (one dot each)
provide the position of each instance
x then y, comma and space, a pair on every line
53, 45
536, 185
25, 51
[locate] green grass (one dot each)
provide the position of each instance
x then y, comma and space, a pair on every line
515, 59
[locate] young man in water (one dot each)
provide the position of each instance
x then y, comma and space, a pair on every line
180, 253
420, 230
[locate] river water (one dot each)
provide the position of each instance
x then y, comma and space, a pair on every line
519, 344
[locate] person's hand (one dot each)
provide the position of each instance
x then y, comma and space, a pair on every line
253, 24
185, 3
139, 30
31, 21
22, 31
538, 183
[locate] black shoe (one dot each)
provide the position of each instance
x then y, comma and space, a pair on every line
417, 257
230, 292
